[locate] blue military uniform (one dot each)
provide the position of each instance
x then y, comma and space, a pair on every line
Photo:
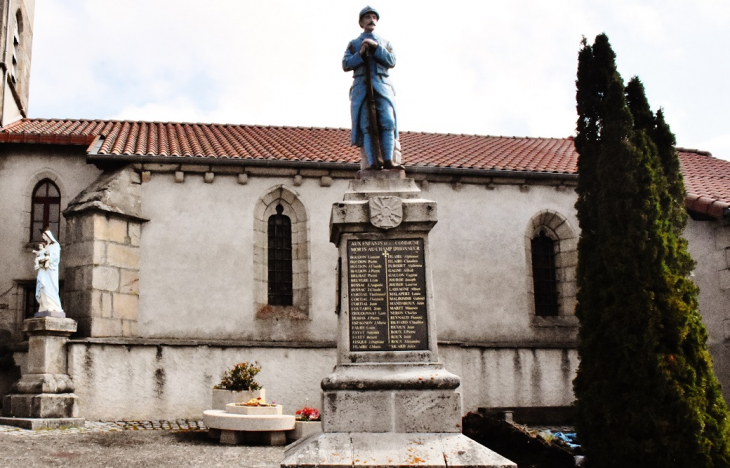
384, 59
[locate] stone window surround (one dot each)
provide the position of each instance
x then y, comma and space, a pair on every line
38, 199
556, 227
25, 218
297, 213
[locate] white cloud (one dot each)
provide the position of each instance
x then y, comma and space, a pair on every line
463, 66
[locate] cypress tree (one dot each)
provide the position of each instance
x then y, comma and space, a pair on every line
645, 392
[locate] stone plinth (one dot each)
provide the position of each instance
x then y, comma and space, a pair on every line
392, 397
43, 405
44, 398
389, 401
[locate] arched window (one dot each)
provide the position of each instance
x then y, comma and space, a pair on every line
281, 256
280, 259
551, 247
544, 275
45, 209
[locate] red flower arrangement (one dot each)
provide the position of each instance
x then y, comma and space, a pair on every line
307, 414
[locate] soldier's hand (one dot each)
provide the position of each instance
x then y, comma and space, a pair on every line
368, 43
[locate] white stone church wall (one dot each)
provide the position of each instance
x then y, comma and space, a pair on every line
709, 245
481, 278
197, 259
20, 170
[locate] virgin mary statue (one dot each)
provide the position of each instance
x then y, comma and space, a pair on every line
46, 287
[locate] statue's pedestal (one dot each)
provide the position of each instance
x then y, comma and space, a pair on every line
44, 398
389, 401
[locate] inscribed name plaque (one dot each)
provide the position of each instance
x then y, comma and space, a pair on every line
387, 289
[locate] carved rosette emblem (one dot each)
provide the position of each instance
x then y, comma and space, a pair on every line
386, 212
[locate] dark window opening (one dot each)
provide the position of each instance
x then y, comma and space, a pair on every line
543, 275
280, 259
45, 210
30, 305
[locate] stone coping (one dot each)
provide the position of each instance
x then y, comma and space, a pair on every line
296, 344
203, 342
220, 419
390, 375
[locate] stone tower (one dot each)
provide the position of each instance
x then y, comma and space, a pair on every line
16, 38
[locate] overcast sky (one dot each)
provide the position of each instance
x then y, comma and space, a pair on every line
475, 67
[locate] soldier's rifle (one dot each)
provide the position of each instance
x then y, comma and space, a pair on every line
373, 127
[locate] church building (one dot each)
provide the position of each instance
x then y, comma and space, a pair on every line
187, 248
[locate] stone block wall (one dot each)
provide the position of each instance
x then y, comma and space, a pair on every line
102, 273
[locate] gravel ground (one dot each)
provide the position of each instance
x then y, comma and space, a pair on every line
121, 444
131, 448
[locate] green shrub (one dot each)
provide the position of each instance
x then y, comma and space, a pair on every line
241, 377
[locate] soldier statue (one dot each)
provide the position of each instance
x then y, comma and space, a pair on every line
372, 96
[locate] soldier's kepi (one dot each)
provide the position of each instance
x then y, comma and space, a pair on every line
372, 96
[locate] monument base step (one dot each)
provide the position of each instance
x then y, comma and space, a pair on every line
41, 406
387, 449
42, 423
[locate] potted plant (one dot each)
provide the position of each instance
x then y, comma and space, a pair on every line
238, 384
307, 421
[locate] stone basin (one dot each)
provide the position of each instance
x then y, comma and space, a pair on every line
252, 429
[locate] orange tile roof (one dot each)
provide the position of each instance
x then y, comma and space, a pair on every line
707, 181
706, 177
123, 138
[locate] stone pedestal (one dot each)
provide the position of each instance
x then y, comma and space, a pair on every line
389, 401
44, 398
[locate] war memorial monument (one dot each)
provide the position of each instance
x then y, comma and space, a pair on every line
389, 401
